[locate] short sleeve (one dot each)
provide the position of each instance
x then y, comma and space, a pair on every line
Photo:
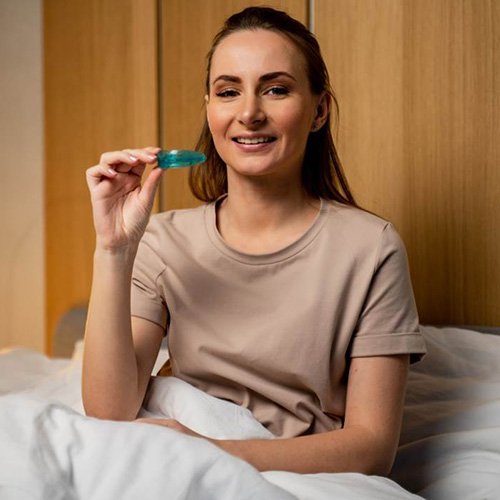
147, 299
389, 323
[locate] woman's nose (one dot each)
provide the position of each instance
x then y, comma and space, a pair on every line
251, 112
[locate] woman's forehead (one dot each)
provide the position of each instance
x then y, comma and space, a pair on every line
257, 51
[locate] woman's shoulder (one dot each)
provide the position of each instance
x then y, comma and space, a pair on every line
177, 217
355, 218
175, 223
361, 226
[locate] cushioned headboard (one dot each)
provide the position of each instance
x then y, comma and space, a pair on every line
492, 330
71, 328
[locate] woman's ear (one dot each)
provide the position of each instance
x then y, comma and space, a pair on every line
207, 101
322, 112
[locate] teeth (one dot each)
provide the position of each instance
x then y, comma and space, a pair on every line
256, 140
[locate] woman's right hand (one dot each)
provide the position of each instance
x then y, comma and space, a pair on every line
121, 206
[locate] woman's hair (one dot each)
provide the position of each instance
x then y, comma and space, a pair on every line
322, 173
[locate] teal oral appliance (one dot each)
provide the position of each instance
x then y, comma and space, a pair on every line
176, 158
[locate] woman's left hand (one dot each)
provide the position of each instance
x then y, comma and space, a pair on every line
171, 423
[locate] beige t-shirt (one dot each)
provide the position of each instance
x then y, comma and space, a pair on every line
275, 332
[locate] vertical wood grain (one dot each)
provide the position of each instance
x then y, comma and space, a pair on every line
187, 31
419, 86
100, 95
362, 41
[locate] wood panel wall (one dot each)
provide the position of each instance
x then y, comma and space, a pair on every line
100, 95
418, 84
419, 89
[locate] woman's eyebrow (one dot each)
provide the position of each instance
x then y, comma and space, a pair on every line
264, 78
276, 74
227, 78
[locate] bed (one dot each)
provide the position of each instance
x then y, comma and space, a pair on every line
449, 448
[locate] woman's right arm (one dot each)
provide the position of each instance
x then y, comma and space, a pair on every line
119, 351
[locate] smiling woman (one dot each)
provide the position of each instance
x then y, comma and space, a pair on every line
279, 294
260, 108
307, 76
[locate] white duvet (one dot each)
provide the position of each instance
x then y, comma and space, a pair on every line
450, 446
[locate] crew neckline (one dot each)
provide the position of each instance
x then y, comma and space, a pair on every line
263, 258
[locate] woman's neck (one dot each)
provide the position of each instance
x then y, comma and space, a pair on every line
259, 216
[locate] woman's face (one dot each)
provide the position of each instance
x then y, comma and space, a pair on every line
260, 108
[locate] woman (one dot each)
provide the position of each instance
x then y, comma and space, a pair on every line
279, 293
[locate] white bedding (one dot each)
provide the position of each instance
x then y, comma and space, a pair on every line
450, 445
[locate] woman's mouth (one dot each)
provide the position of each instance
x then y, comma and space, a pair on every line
253, 140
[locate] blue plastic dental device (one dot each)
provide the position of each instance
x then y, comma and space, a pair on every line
175, 158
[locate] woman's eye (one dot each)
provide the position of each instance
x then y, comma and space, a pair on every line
278, 90
226, 93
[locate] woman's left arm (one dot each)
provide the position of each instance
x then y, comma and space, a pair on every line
367, 443
369, 439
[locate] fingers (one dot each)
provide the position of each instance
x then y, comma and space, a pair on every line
128, 160
97, 173
164, 422
153, 149
150, 186
139, 157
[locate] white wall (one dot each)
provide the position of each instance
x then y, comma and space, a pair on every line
21, 175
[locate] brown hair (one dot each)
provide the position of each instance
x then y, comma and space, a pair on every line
322, 173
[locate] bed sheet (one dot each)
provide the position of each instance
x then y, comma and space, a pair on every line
450, 443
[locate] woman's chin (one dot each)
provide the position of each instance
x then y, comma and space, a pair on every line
259, 169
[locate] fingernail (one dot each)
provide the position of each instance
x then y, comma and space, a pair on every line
152, 157
133, 158
111, 171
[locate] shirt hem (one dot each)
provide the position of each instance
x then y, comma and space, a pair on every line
388, 344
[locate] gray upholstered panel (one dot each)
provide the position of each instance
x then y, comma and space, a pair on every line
493, 330
69, 329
